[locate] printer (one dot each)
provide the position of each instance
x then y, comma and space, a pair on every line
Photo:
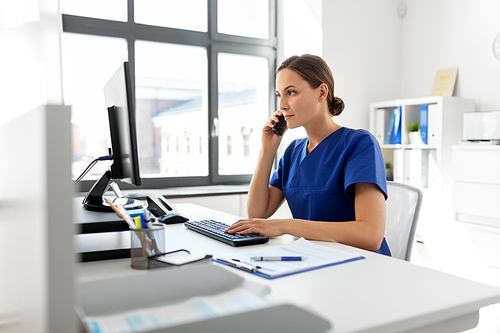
481, 126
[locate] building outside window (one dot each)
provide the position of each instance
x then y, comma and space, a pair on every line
202, 71
229, 145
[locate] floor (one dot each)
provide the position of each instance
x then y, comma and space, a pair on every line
448, 245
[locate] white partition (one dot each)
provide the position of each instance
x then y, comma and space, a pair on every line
36, 227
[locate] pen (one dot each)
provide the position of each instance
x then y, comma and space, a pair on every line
147, 218
299, 258
124, 215
149, 225
238, 264
120, 210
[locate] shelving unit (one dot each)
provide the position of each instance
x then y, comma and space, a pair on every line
422, 165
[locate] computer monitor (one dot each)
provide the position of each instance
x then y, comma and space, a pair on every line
120, 104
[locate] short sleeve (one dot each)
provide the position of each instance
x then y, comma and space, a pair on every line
365, 164
277, 176
280, 177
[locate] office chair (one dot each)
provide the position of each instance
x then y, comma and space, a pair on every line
402, 211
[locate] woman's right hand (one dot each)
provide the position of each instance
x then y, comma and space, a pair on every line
269, 139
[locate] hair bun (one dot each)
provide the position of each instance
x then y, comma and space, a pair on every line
337, 106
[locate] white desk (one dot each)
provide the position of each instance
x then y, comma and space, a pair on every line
376, 294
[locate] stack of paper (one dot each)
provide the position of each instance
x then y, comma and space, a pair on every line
195, 309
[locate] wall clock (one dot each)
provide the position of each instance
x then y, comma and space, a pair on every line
496, 47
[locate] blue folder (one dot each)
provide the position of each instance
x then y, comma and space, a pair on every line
396, 128
424, 115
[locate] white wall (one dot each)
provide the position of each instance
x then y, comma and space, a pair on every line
362, 45
36, 265
300, 28
444, 34
375, 55
30, 61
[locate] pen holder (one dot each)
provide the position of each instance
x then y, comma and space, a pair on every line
145, 243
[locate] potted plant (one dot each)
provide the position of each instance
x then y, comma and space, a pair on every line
388, 171
414, 132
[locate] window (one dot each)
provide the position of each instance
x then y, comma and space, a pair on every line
185, 14
243, 100
203, 76
243, 18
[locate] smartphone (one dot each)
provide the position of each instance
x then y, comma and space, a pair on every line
280, 127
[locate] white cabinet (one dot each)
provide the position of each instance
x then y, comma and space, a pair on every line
476, 197
476, 184
421, 165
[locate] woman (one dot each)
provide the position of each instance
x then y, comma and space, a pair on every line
336, 174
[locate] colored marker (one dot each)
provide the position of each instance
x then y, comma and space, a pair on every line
138, 223
149, 225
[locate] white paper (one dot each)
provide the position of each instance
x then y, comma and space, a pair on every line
317, 256
195, 309
180, 258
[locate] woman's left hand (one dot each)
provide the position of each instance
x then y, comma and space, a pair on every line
265, 227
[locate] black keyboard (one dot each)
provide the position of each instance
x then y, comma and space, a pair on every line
216, 229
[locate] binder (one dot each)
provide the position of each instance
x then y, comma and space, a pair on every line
433, 171
423, 123
398, 166
396, 127
416, 167
390, 129
413, 160
382, 120
433, 125
424, 171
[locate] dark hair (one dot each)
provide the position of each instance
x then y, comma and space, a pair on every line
315, 71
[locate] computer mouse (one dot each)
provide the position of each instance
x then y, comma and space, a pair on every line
172, 218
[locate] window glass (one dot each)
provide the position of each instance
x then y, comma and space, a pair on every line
109, 9
88, 63
243, 111
185, 14
171, 77
172, 109
248, 18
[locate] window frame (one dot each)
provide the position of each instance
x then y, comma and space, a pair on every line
215, 43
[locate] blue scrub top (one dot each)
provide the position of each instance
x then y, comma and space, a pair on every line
319, 186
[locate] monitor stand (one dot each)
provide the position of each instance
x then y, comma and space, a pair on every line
94, 200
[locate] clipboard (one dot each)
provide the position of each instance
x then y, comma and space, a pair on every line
317, 257
260, 273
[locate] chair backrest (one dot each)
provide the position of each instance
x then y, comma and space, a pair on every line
402, 211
